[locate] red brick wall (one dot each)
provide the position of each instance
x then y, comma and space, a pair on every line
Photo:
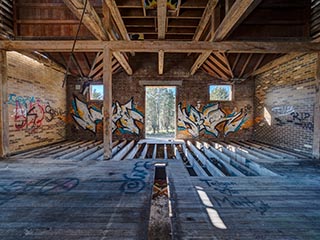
36, 104
287, 94
194, 89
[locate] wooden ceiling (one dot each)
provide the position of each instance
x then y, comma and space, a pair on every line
166, 20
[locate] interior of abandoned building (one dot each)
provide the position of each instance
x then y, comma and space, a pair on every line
82, 156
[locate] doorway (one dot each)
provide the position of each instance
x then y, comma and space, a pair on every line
160, 112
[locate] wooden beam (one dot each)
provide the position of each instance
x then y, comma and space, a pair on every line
91, 19
107, 103
206, 16
316, 112
200, 60
117, 19
178, 8
245, 65
237, 13
4, 116
161, 16
161, 61
166, 46
276, 62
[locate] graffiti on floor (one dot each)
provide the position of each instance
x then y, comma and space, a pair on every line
45, 186
135, 181
212, 119
228, 197
30, 112
125, 118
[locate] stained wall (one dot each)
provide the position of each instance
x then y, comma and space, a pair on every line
36, 104
284, 104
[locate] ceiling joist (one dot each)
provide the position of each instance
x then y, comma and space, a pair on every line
162, 17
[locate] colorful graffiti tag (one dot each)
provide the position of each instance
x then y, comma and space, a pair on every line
125, 118
30, 112
209, 119
152, 4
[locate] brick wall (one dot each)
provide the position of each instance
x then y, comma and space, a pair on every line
237, 115
284, 103
36, 104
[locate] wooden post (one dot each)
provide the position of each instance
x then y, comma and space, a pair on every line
4, 115
107, 103
316, 114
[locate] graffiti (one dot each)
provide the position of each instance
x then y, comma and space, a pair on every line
282, 110
30, 112
125, 117
229, 200
209, 119
29, 118
135, 181
302, 119
42, 186
86, 117
152, 4
53, 113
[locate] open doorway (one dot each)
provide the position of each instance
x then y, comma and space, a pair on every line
160, 112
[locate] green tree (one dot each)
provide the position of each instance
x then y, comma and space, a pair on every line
219, 93
97, 95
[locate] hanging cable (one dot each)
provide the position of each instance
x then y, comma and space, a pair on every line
74, 44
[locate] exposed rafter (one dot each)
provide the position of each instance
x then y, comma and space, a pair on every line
162, 16
117, 18
207, 14
92, 21
237, 13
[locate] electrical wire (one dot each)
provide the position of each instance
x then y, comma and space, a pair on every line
74, 44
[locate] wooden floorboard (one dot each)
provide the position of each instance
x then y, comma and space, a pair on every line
74, 198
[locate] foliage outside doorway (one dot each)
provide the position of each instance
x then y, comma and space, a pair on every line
160, 112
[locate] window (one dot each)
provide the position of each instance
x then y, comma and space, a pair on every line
96, 92
220, 92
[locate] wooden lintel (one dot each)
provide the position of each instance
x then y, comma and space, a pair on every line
107, 103
161, 16
161, 61
166, 46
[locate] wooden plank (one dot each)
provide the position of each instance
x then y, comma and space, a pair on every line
107, 103
121, 154
4, 115
166, 46
161, 61
205, 161
193, 162
161, 18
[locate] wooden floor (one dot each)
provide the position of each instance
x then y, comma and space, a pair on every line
225, 190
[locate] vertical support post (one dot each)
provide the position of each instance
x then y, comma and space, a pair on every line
161, 61
316, 114
107, 103
4, 116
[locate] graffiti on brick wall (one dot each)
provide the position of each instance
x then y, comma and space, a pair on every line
212, 120
125, 118
31, 112
288, 115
